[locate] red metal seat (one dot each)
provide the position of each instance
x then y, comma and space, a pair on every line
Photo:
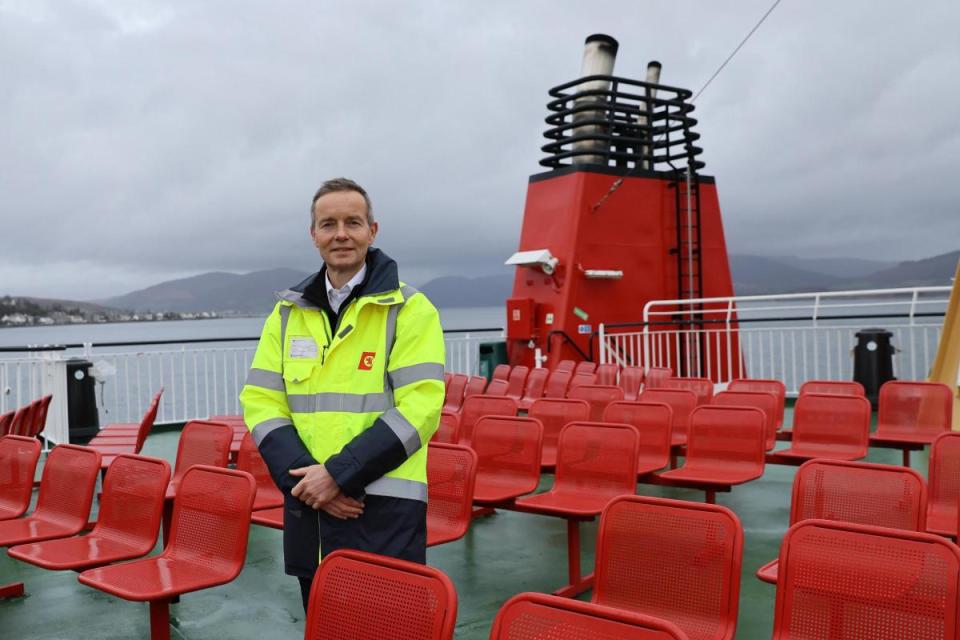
944, 484
497, 388
557, 383
39, 417
775, 387
508, 457
249, 460
133, 429
21, 418
565, 365
127, 524
114, 440
501, 372
608, 373
858, 492
272, 518
597, 396
841, 581
912, 413
18, 466
703, 387
596, 462
6, 420
446, 378
451, 478
476, 407
454, 393
839, 387
207, 545
537, 616
726, 446
475, 386
681, 401
536, 383
631, 379
448, 431
827, 426
517, 382
580, 379
201, 442
554, 414
585, 367
652, 421
362, 596
656, 376
676, 560
765, 401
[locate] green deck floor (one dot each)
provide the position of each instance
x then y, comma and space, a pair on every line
501, 555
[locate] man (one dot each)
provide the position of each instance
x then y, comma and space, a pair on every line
344, 392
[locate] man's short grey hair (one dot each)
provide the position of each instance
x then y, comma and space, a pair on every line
341, 184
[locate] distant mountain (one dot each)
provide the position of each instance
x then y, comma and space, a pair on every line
756, 275
935, 271
836, 267
457, 291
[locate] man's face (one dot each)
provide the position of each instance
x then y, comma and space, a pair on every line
340, 230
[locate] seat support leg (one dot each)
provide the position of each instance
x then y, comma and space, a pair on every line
159, 620
711, 496
166, 520
906, 458
13, 590
578, 583
482, 512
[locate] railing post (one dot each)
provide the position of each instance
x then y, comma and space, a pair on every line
603, 345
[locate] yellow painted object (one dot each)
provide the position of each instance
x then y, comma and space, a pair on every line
946, 367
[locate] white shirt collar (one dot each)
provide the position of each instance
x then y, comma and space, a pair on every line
337, 296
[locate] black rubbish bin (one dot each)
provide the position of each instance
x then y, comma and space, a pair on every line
492, 354
873, 361
81, 401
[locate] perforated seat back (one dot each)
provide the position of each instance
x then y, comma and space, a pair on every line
6, 420
131, 505
250, 460
681, 401
451, 476
557, 383
205, 443
476, 407
565, 365
656, 376
597, 457
67, 485
580, 379
764, 401
508, 445
775, 387
536, 383
597, 396
537, 616
703, 387
211, 519
631, 378
362, 596
831, 421
676, 560
608, 374
554, 414
944, 483
501, 372
727, 436
918, 407
517, 381
475, 386
453, 397
39, 418
21, 420
859, 492
448, 431
839, 387
848, 582
18, 465
497, 388
585, 367
653, 423
146, 424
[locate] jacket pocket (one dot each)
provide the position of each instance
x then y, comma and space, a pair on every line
297, 373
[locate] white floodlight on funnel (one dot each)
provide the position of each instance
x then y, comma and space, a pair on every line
541, 258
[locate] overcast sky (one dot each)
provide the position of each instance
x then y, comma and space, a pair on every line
143, 141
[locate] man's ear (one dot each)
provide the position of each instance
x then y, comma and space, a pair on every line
374, 228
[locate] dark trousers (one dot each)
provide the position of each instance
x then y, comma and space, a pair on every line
305, 585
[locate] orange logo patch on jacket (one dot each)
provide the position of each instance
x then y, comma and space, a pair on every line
366, 360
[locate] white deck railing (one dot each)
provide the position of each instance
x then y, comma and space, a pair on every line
199, 379
791, 337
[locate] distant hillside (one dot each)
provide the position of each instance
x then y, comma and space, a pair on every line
457, 291
935, 271
836, 267
756, 275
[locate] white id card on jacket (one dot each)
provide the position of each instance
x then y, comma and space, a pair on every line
303, 348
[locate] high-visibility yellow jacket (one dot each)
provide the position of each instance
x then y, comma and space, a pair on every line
363, 398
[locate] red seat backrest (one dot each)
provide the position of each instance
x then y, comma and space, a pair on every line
202, 442
580, 379
857, 581
146, 424
703, 387
363, 596
517, 381
656, 376
39, 421
944, 476
6, 420
585, 367
557, 383
775, 387
631, 378
536, 383
598, 396
598, 458
453, 397
509, 446
497, 388
538, 616
475, 386
681, 401
250, 460
211, 520
20, 425
676, 560
727, 437
451, 476
608, 373
501, 372
448, 431
840, 387
653, 422
859, 492
837, 422
18, 466
131, 505
565, 365
446, 378
918, 407
554, 414
67, 484
766, 402
475, 407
